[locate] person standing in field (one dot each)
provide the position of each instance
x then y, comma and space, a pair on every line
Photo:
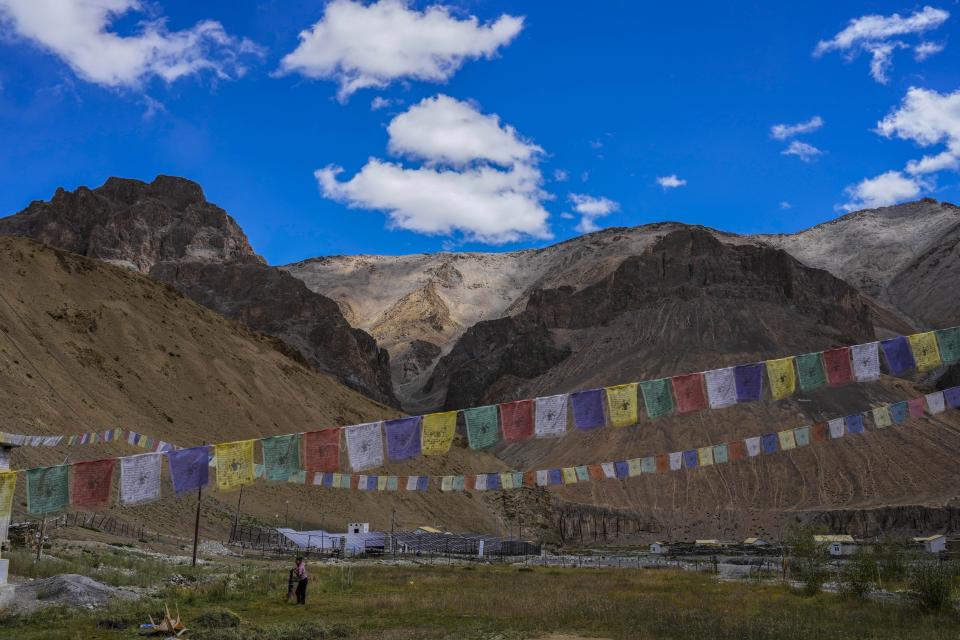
300, 573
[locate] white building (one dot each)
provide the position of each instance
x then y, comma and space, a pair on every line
755, 542
932, 544
358, 527
658, 548
839, 545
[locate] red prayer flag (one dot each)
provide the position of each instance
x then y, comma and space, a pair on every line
91, 483
736, 450
916, 407
688, 390
468, 483
837, 362
663, 462
820, 432
530, 479
595, 471
516, 420
321, 450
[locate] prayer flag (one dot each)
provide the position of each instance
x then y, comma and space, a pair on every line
189, 468
899, 357
297, 477
8, 484
648, 465
140, 478
736, 450
881, 417
47, 489
91, 483
583, 475
516, 420
569, 475
663, 462
543, 478
621, 469
437, 432
899, 412
657, 397
676, 460
837, 428
866, 361
622, 404
749, 382
720, 453
459, 483
925, 351
810, 371
234, 464
753, 446
635, 465
530, 478
483, 429
365, 445
935, 402
820, 432
721, 387
782, 377
446, 483
596, 472
769, 442
551, 416
838, 367
556, 476
916, 407
281, 457
609, 471
423, 483
688, 390
705, 456
951, 397
321, 450
381, 483
506, 480
392, 483
787, 440
480, 482
403, 438
588, 409
948, 342
690, 458
493, 481
801, 435
854, 423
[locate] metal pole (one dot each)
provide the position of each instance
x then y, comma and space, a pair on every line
196, 523
236, 517
40, 532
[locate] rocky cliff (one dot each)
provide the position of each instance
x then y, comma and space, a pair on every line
168, 230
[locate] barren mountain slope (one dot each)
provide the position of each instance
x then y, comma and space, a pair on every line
168, 229
87, 346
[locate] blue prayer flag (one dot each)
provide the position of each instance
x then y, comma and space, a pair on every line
403, 438
588, 408
854, 423
898, 354
749, 382
769, 442
189, 468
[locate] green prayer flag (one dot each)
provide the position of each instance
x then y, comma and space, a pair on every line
657, 397
583, 475
281, 457
483, 428
810, 370
48, 489
648, 465
948, 340
720, 455
802, 436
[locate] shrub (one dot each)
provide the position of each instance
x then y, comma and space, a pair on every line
808, 560
931, 585
216, 618
891, 559
857, 576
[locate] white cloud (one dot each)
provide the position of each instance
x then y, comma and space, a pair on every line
785, 205
78, 32
379, 102
806, 152
566, 215
926, 50
927, 118
477, 177
559, 175
877, 35
671, 181
785, 131
371, 45
881, 191
590, 208
442, 130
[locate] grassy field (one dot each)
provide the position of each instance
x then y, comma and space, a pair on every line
409, 602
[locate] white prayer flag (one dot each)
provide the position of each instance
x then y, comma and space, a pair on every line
676, 460
412, 483
753, 446
446, 484
935, 403
480, 484
543, 478
551, 416
837, 428
364, 445
866, 361
609, 470
721, 387
140, 478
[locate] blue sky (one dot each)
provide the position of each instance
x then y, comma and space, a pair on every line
523, 127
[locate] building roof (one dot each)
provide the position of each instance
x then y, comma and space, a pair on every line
834, 538
658, 542
753, 540
430, 530
935, 536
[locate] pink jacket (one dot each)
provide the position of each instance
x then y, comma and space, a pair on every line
300, 571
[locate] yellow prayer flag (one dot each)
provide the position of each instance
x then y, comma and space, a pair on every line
437, 432
787, 440
446, 483
506, 480
925, 351
782, 376
569, 475
705, 456
234, 464
634, 467
381, 483
881, 417
8, 482
622, 404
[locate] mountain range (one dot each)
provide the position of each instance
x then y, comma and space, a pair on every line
451, 330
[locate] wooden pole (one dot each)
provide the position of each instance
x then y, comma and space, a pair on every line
196, 523
236, 518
